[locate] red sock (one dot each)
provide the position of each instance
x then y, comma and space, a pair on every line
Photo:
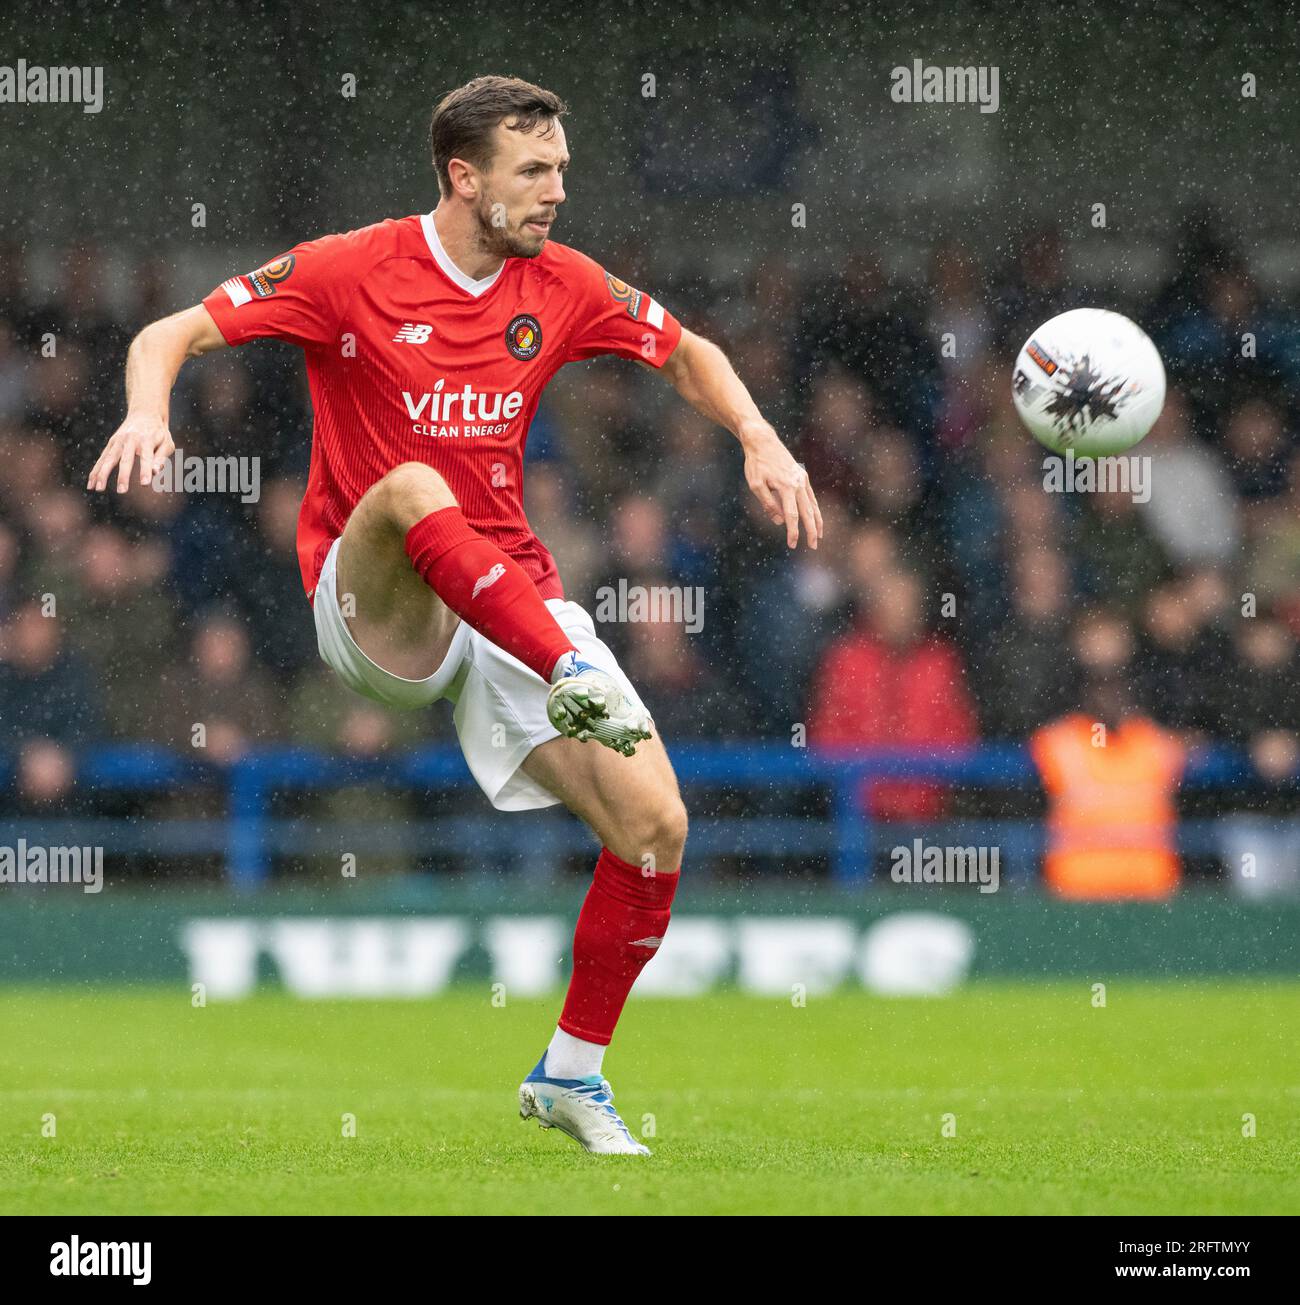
486, 589
620, 927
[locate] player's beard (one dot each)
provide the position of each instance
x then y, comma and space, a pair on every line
503, 241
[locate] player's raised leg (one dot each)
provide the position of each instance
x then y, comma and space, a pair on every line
634, 808
408, 534
412, 563
397, 620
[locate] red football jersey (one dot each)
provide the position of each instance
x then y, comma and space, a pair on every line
410, 360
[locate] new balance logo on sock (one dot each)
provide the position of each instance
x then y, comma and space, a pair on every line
485, 581
645, 942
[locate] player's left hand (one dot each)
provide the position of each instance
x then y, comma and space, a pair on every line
781, 485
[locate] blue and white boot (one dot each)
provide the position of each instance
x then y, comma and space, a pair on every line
581, 1107
587, 703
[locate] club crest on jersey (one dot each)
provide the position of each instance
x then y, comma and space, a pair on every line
524, 337
266, 278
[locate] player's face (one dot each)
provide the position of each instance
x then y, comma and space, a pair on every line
522, 190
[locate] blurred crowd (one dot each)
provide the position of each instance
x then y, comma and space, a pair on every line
954, 598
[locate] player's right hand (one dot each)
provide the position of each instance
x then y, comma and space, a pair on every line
143, 439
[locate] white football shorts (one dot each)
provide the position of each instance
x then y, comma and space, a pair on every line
499, 704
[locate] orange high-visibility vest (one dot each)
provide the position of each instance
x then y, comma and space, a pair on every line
1111, 813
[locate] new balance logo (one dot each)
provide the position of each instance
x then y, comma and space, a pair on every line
652, 943
413, 333
485, 581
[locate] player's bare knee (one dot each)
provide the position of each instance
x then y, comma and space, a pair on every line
659, 830
675, 821
411, 491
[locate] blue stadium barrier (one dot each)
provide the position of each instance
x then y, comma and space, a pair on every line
249, 837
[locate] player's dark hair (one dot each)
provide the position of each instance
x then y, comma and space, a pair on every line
465, 120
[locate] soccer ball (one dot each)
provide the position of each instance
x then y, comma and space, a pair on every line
1089, 380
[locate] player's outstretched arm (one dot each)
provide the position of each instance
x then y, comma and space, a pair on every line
152, 364
705, 378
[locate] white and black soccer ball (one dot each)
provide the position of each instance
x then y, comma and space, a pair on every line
1089, 380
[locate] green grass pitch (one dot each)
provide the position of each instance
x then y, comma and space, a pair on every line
758, 1106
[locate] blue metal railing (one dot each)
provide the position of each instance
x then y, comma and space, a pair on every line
250, 836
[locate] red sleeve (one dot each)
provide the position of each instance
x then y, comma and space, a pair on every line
614, 317
299, 297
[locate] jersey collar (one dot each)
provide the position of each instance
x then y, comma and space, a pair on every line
452, 272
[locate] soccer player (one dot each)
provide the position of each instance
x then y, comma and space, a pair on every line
428, 342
